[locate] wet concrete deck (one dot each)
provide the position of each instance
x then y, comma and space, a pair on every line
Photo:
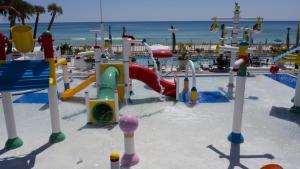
171, 135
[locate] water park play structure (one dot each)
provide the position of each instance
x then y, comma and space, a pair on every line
234, 38
112, 79
28, 74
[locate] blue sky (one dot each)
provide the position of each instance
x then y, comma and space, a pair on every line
170, 10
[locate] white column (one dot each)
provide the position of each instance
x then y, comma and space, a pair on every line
9, 115
236, 26
126, 55
297, 91
129, 144
53, 105
98, 59
66, 77
87, 105
177, 89
238, 104
116, 105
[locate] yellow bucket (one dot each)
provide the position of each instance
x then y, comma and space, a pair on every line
22, 38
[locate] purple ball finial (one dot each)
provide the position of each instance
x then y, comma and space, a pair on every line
128, 123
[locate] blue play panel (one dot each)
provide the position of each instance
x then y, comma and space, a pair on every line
33, 98
206, 97
285, 79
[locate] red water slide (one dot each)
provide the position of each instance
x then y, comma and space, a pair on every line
149, 77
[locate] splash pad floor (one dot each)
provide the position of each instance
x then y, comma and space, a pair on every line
171, 135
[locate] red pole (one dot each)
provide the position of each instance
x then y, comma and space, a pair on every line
3, 43
47, 44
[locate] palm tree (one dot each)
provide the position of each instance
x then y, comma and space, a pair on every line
288, 39
124, 31
298, 36
54, 10
14, 9
173, 39
26, 9
38, 10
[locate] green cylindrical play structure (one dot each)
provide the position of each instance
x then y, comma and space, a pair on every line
108, 83
103, 112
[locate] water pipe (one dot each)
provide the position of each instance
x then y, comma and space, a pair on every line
155, 67
128, 124
236, 136
194, 94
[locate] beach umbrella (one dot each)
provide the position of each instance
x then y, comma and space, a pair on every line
288, 38
298, 35
109, 35
124, 31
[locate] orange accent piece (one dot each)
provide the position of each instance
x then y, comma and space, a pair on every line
271, 166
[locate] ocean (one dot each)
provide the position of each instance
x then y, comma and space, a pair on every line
78, 33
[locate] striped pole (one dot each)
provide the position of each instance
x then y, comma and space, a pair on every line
128, 124
236, 136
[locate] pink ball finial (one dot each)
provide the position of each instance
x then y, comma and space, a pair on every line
128, 123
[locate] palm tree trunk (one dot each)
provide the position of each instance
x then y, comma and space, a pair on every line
36, 25
23, 21
51, 22
12, 23
288, 40
298, 36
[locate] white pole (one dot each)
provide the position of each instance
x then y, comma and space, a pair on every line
114, 161
238, 104
177, 89
296, 107
9, 115
53, 105
116, 105
57, 135
66, 77
126, 55
98, 59
236, 26
87, 105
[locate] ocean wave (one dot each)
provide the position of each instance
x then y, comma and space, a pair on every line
78, 39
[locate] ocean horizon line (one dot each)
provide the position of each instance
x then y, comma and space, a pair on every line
59, 22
